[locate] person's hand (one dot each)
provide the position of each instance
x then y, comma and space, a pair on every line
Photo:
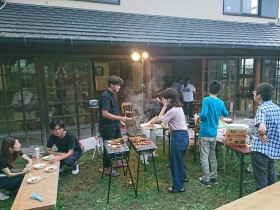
263, 138
26, 170
124, 119
54, 160
123, 126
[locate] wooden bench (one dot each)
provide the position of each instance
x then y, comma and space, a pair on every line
266, 198
47, 187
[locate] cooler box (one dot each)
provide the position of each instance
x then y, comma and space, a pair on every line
236, 134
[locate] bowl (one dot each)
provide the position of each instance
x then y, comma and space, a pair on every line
50, 168
33, 179
39, 165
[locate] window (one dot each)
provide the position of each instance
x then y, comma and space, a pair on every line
104, 1
261, 8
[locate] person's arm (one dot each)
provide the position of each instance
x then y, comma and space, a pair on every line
110, 116
49, 151
29, 160
204, 110
61, 156
260, 121
9, 173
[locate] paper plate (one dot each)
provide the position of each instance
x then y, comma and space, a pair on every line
33, 179
39, 165
50, 168
150, 126
48, 157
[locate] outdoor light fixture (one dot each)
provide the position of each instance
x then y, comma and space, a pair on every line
136, 57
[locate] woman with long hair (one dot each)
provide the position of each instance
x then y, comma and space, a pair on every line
175, 119
11, 181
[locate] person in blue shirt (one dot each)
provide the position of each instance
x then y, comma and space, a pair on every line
212, 109
266, 143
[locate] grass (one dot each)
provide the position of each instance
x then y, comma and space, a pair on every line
88, 191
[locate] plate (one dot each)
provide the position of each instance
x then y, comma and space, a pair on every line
228, 120
39, 165
48, 157
150, 126
33, 179
50, 168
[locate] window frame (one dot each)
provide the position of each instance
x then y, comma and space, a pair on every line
114, 2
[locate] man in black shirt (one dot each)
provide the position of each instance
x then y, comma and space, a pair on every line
110, 120
69, 150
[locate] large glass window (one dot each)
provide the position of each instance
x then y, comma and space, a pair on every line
241, 7
271, 75
225, 72
262, 8
19, 104
103, 1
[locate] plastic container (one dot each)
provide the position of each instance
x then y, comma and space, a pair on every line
37, 152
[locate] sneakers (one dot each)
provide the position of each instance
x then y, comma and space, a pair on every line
155, 155
144, 162
75, 169
3, 196
204, 183
214, 180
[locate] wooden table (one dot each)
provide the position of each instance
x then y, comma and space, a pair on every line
47, 187
267, 198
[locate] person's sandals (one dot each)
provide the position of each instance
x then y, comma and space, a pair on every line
120, 165
113, 174
170, 189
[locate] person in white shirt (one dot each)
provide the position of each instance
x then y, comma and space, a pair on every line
188, 91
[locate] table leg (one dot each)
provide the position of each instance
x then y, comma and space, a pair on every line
137, 175
110, 177
241, 175
128, 168
155, 170
163, 141
194, 149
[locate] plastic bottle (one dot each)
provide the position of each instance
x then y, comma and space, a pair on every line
37, 152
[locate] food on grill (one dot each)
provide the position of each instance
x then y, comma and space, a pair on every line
115, 147
139, 140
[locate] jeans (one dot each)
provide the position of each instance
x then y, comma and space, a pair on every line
71, 161
11, 183
179, 144
263, 170
207, 147
107, 136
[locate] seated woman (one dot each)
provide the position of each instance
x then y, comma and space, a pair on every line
11, 181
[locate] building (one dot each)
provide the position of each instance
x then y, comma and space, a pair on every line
57, 55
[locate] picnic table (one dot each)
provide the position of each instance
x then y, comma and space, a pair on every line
266, 198
47, 187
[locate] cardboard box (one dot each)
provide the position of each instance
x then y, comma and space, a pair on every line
236, 134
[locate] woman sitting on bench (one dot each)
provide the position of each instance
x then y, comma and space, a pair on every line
11, 181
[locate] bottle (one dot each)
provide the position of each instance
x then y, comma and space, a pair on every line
37, 152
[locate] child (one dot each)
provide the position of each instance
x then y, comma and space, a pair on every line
176, 121
212, 109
